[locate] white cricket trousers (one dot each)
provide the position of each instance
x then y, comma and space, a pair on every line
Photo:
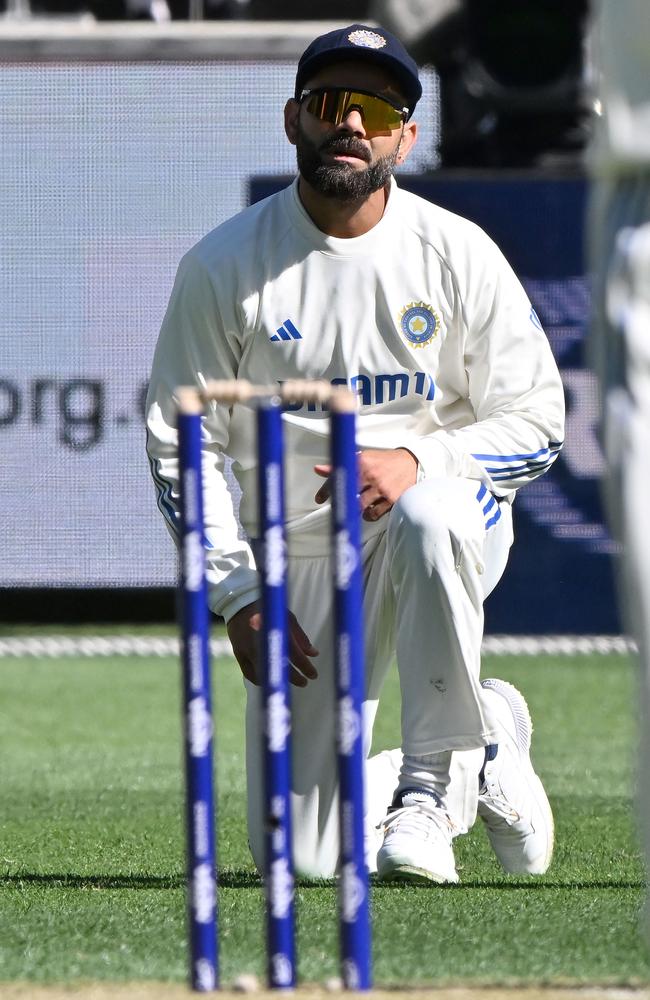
427, 570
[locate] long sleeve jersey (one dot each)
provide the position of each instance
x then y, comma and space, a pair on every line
422, 317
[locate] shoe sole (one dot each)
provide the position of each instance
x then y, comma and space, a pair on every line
417, 876
519, 709
523, 738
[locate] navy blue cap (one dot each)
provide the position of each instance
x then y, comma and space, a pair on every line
358, 41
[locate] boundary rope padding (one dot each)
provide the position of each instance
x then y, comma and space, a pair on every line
59, 646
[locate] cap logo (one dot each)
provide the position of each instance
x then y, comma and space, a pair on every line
367, 39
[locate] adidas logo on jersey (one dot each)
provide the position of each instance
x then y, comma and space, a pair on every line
286, 332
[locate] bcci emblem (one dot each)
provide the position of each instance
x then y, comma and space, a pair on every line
367, 39
420, 324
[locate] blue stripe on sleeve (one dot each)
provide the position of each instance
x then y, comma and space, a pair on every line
163, 491
553, 446
517, 472
520, 469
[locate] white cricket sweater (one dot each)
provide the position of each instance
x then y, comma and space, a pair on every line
422, 317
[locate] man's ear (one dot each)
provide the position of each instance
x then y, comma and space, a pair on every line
407, 141
291, 114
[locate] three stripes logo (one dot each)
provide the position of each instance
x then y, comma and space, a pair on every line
286, 332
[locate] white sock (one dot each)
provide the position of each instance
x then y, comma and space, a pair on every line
428, 771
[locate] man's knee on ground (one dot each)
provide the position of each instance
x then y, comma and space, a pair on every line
312, 866
310, 859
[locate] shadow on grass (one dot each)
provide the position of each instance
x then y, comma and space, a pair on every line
228, 880
528, 884
246, 879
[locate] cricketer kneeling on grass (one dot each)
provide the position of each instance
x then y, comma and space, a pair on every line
344, 277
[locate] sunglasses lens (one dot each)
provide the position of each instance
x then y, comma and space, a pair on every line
334, 106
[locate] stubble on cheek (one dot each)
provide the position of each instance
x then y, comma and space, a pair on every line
342, 180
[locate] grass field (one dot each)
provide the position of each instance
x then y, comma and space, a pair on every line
92, 853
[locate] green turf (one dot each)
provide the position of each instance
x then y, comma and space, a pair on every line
91, 838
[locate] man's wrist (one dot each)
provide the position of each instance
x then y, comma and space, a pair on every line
419, 471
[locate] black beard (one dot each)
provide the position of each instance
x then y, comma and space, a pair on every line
341, 180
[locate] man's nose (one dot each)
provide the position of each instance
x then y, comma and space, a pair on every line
353, 122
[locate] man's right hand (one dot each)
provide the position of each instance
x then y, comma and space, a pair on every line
243, 631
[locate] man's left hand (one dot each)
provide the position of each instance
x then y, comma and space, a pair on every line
383, 476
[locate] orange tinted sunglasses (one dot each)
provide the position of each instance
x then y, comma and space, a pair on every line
334, 104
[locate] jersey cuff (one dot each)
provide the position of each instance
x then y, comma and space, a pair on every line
233, 592
230, 609
433, 458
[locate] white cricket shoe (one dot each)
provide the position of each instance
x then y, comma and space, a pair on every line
511, 800
417, 840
